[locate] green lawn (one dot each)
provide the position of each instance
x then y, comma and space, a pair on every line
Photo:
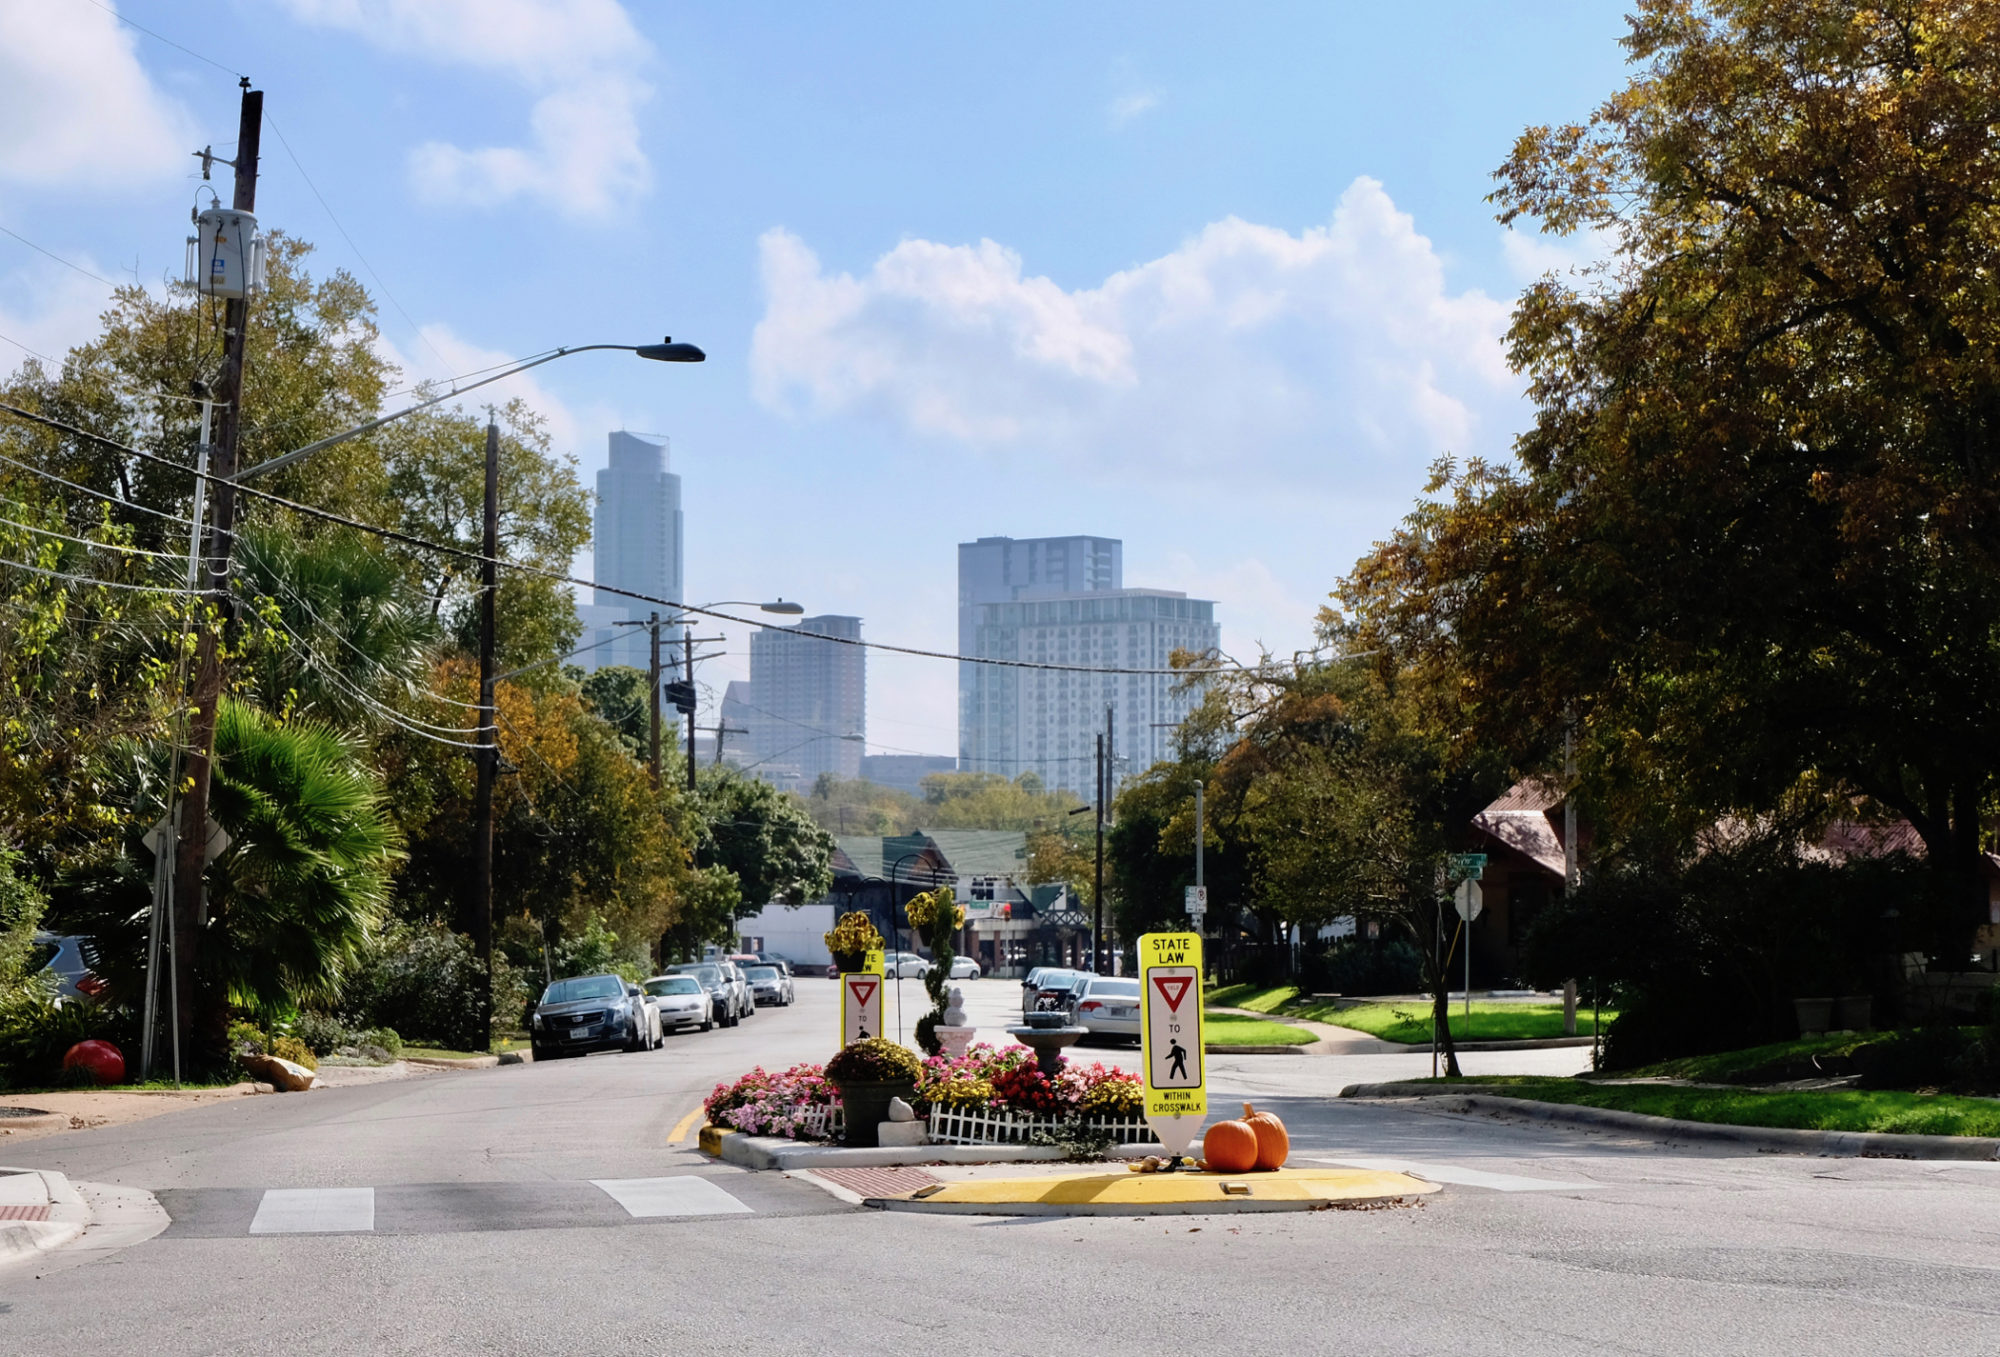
1772, 1064
439, 1053
1490, 1021
1256, 998
1230, 1029
1820, 1110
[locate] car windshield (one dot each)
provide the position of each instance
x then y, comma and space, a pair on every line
680, 984
584, 987
1115, 989
763, 972
1057, 979
708, 975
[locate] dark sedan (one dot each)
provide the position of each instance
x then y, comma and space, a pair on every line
590, 1013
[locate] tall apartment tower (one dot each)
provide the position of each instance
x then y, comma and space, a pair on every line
636, 544
1061, 601
808, 703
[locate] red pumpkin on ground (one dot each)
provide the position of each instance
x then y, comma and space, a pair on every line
1274, 1143
105, 1062
1230, 1147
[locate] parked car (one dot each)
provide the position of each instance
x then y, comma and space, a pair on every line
60, 956
1107, 1006
746, 1004
964, 968
784, 964
681, 1002
588, 1013
903, 965
1046, 988
721, 993
655, 1036
768, 985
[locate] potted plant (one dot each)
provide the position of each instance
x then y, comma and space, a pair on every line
851, 940
934, 914
868, 1074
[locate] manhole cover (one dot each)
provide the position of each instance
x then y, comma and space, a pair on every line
6, 1112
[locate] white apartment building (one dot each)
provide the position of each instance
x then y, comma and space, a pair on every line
636, 543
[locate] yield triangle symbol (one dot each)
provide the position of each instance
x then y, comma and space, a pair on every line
1173, 988
864, 990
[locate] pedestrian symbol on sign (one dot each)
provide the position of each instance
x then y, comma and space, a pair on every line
1176, 1059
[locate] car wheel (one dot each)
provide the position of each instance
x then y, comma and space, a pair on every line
706, 1024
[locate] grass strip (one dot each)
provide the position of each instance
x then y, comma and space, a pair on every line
1256, 998
1230, 1029
1410, 1023
1881, 1112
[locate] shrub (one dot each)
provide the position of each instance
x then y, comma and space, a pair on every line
247, 1038
322, 1033
425, 981
294, 1050
762, 1103
876, 1060
384, 1039
1365, 966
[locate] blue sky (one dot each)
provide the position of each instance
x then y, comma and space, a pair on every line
1218, 280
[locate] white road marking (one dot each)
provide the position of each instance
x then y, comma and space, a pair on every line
315, 1210
683, 1196
1448, 1173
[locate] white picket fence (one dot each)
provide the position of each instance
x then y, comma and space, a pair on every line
985, 1126
822, 1122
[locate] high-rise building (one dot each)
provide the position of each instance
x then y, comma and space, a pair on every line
807, 711
1061, 601
635, 544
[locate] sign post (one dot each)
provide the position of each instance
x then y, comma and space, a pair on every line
1176, 1081
861, 1001
1469, 900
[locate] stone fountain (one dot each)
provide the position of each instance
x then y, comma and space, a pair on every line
1047, 1034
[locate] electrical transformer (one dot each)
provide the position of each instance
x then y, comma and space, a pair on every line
225, 255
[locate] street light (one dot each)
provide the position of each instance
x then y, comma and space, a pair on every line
186, 907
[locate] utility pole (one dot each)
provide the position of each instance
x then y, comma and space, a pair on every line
723, 728
191, 860
687, 641
653, 697
488, 755
1097, 891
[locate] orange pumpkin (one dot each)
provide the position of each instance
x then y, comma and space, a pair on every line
1274, 1145
1230, 1147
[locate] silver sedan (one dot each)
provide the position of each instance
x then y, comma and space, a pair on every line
681, 1002
1108, 1007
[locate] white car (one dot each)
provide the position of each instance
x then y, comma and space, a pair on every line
681, 1002
964, 968
903, 965
1108, 1007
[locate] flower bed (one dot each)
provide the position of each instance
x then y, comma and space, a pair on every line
988, 1096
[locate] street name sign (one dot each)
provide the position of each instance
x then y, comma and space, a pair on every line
1469, 900
861, 1001
1176, 1082
1466, 866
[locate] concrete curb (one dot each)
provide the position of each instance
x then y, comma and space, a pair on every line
775, 1152
1765, 1139
1218, 1048
438, 1062
1532, 1044
23, 1240
1190, 1194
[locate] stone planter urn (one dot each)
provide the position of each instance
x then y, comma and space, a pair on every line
1815, 1015
866, 1106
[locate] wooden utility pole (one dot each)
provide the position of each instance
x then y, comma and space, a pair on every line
191, 853
687, 643
653, 699
488, 754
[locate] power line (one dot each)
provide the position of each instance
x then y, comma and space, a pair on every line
160, 37
87, 542
407, 539
91, 580
59, 259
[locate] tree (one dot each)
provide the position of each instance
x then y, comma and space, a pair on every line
990, 801
764, 839
617, 694
858, 806
1752, 547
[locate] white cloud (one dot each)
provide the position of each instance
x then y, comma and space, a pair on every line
47, 308
76, 107
1532, 256
1332, 361
580, 58
1257, 610
422, 364
1126, 107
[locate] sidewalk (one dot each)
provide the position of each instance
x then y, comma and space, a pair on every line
39, 1211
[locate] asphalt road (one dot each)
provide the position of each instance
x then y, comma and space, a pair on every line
543, 1209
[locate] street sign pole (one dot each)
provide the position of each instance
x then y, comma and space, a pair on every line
1171, 1038
1468, 900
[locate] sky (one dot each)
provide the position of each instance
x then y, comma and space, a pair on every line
1220, 281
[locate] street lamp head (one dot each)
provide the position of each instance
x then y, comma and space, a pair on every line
788, 609
666, 351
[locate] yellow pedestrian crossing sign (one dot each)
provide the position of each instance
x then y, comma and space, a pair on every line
861, 1001
1176, 1079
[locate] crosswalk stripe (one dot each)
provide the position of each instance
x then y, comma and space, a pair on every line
682, 1196
1449, 1173
315, 1210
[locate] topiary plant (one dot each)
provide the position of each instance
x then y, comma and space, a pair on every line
941, 916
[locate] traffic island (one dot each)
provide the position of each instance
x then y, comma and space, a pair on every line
1194, 1193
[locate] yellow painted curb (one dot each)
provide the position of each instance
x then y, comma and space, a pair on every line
710, 1142
1159, 1193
